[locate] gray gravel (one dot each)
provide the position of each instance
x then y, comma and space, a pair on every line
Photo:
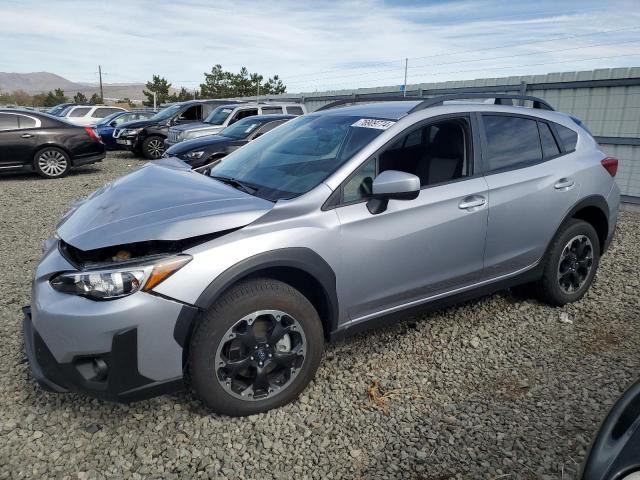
499, 387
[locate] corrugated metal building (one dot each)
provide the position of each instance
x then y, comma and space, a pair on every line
607, 100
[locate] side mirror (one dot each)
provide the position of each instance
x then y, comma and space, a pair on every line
113, 124
392, 185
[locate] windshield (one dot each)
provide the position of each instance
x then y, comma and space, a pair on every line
57, 109
167, 112
295, 157
110, 118
218, 116
243, 128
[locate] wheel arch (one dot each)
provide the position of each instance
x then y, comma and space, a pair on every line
595, 211
299, 267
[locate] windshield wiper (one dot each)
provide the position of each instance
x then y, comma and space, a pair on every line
246, 188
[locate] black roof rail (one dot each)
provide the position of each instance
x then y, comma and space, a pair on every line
499, 99
367, 99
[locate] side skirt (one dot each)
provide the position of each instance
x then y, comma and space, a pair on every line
400, 313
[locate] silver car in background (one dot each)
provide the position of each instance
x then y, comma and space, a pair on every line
326, 225
226, 115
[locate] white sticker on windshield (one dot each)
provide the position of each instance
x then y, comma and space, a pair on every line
373, 123
226, 110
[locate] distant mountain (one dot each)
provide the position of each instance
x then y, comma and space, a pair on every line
42, 82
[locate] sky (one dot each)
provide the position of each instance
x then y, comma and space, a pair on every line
316, 46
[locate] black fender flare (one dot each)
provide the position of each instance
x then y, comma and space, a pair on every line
590, 201
300, 258
597, 201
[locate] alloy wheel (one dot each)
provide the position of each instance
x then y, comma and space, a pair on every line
260, 355
155, 148
52, 163
576, 262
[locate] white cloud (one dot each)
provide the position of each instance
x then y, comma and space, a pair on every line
300, 41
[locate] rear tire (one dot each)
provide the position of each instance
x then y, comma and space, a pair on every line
52, 162
153, 147
260, 325
570, 264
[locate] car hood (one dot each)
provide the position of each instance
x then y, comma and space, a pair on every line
190, 126
139, 123
201, 142
164, 200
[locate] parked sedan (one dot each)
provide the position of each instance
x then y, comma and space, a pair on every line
204, 150
45, 144
107, 125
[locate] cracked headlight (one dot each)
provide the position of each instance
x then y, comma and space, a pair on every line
131, 131
194, 155
112, 283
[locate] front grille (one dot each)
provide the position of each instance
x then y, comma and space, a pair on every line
174, 137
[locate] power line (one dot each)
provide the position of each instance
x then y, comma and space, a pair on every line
520, 44
499, 68
475, 60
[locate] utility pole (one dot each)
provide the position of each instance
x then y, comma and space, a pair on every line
154, 101
404, 89
258, 94
101, 92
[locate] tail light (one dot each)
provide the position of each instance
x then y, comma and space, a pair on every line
610, 164
92, 133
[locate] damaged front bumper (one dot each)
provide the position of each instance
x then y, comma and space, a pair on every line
120, 350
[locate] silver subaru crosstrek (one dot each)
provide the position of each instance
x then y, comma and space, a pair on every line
231, 281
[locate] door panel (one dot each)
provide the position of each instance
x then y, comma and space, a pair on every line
413, 250
526, 207
12, 142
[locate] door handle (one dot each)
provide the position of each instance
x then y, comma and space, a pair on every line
26, 135
564, 183
471, 202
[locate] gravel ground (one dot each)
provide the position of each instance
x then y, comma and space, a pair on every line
498, 387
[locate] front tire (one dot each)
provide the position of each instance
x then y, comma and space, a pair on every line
153, 147
570, 264
256, 349
52, 162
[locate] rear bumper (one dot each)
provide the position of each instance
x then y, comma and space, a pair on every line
111, 375
613, 201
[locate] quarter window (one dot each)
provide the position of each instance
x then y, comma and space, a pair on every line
271, 110
568, 138
79, 112
295, 110
549, 145
8, 121
360, 185
510, 142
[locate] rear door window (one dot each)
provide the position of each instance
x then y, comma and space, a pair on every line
510, 142
103, 112
549, 146
27, 122
8, 121
568, 138
79, 112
